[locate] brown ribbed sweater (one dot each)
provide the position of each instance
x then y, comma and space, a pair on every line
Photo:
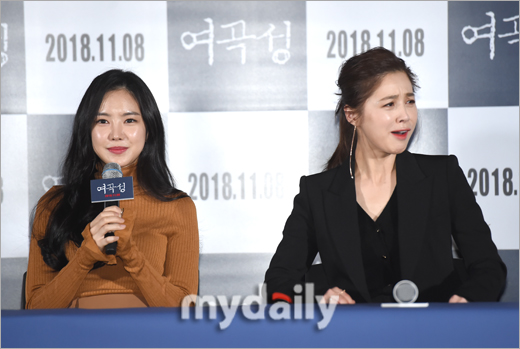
157, 256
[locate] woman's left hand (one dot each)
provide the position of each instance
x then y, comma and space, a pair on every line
125, 243
457, 299
338, 296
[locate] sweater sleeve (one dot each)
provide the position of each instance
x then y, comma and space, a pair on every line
46, 287
180, 276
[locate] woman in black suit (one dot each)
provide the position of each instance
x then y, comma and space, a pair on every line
380, 214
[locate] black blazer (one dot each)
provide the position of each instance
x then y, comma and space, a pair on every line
435, 203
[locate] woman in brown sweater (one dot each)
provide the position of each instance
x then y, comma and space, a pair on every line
156, 263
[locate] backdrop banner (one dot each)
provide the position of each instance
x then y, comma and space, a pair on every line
247, 93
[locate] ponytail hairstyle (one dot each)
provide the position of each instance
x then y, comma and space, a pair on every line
74, 209
359, 77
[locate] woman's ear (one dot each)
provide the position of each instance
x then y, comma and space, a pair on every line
351, 115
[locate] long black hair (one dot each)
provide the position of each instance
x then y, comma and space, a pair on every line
74, 211
359, 77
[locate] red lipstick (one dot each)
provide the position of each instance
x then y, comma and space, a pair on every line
401, 134
117, 150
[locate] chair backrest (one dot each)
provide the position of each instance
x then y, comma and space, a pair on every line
23, 290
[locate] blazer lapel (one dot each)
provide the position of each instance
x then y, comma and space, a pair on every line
341, 212
413, 195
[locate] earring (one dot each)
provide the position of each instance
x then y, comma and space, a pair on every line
350, 159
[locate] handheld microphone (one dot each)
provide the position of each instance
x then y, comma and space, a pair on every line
111, 170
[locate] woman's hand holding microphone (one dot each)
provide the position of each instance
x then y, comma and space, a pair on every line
110, 219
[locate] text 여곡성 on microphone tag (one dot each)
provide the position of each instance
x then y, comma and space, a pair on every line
111, 189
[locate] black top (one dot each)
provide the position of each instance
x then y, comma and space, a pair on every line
435, 204
380, 250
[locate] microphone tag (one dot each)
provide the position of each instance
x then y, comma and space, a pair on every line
111, 189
